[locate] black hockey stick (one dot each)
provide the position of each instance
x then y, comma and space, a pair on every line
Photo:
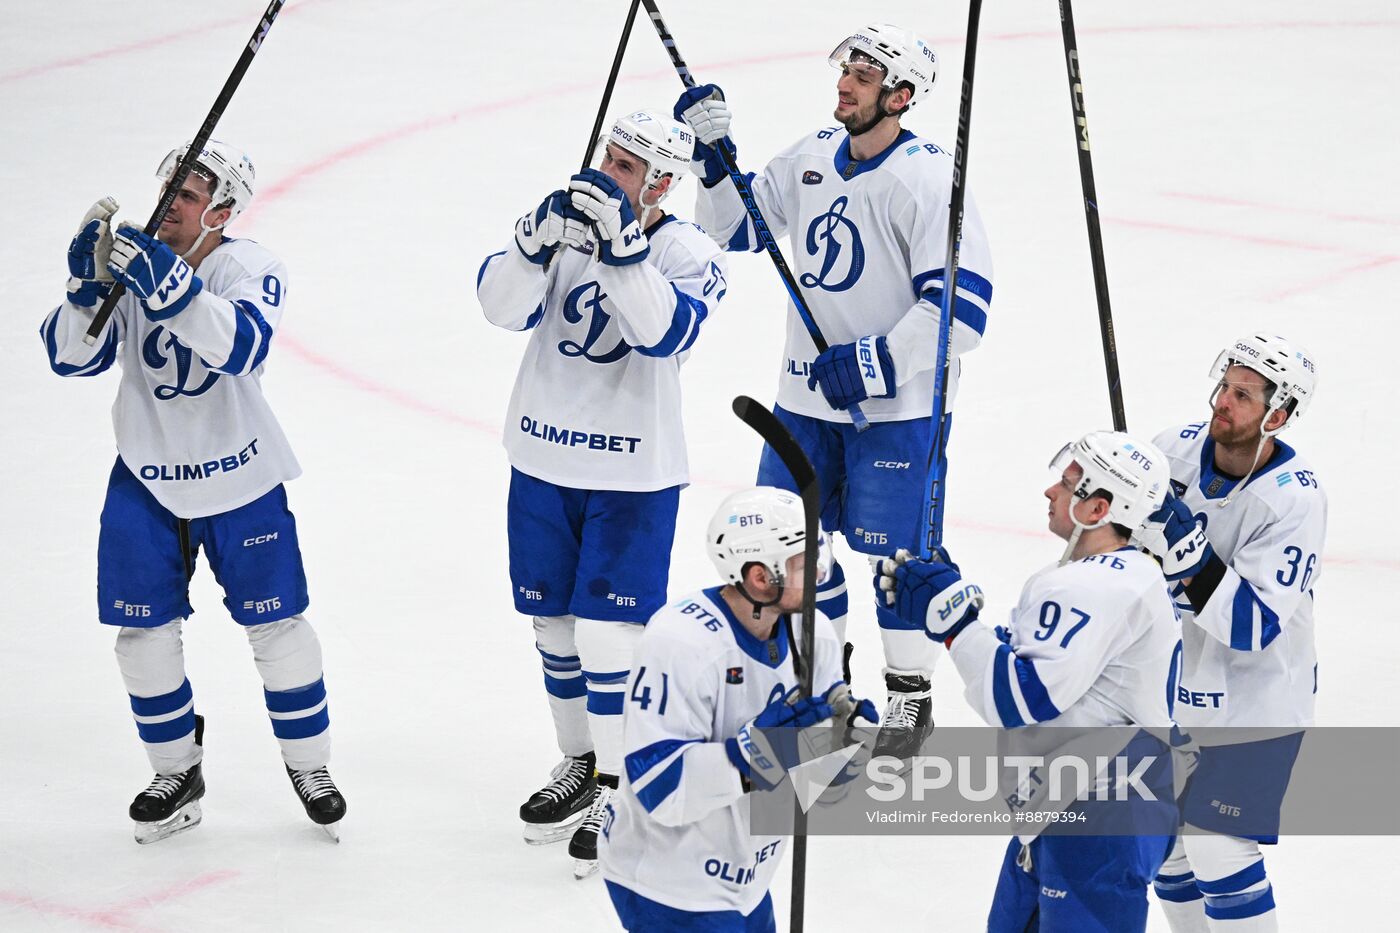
182, 170
938, 440
1091, 217
608, 89
760, 226
790, 452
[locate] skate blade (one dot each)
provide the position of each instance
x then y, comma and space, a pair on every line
543, 834
584, 867
182, 820
332, 830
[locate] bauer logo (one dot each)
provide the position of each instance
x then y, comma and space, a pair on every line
810, 177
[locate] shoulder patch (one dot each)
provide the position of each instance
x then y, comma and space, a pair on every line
810, 177
734, 675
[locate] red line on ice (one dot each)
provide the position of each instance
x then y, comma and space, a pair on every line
114, 916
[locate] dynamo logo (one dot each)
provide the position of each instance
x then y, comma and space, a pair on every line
838, 241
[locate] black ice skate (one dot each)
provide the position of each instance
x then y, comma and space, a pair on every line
908, 717
321, 798
553, 811
170, 804
584, 845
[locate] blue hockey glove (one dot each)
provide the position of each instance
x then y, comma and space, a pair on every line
764, 757
931, 595
89, 281
164, 282
621, 241
539, 232
1173, 536
850, 373
708, 115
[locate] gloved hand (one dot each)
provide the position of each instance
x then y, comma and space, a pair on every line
89, 281
539, 232
621, 241
704, 109
1174, 536
930, 594
764, 758
164, 282
850, 373
846, 708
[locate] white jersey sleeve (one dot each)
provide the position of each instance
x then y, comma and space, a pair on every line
597, 399
190, 417
867, 244
1088, 643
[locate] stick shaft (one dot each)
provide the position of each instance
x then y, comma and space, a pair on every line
182, 170
608, 89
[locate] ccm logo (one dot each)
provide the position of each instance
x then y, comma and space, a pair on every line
890, 465
260, 539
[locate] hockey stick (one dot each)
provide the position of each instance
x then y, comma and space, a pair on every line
1091, 217
933, 484
182, 170
790, 452
612, 80
760, 226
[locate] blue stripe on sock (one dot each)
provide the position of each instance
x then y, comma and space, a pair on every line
1246, 877
296, 699
566, 688
163, 704
604, 704
302, 728
1240, 906
168, 731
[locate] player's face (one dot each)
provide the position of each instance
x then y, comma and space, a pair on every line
628, 171
1061, 496
1238, 407
858, 94
181, 225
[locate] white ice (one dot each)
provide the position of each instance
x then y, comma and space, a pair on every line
1244, 154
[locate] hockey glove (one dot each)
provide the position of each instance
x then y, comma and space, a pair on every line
89, 281
705, 110
931, 595
850, 373
621, 241
766, 746
539, 233
846, 709
164, 282
1174, 536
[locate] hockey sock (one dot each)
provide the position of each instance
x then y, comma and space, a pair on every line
1230, 873
288, 656
152, 662
832, 600
605, 650
1175, 885
564, 684
906, 648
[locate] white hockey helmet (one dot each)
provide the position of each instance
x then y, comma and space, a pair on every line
764, 525
903, 55
228, 167
666, 145
1133, 472
1285, 364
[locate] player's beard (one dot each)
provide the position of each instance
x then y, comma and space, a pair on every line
863, 120
1233, 435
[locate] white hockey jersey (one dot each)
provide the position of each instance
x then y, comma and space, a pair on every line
868, 242
1249, 657
190, 417
1092, 643
597, 400
678, 832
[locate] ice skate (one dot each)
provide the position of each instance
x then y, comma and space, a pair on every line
584, 844
321, 798
908, 717
555, 810
170, 804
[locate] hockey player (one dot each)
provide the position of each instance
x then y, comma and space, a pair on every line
866, 207
201, 463
1243, 540
1091, 642
614, 291
713, 668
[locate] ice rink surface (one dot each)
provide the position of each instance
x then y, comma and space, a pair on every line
1244, 154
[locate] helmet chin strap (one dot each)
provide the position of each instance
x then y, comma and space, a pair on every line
204, 231
880, 114
1254, 463
758, 607
1079, 529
